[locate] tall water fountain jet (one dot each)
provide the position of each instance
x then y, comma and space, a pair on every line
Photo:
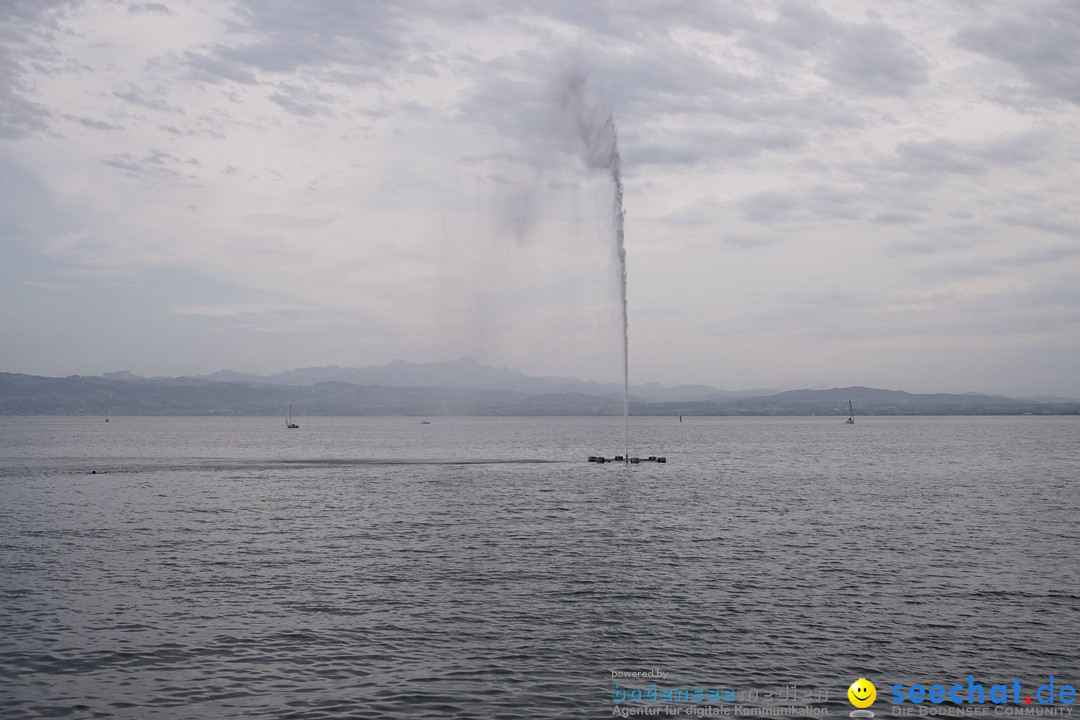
600, 150
582, 129
620, 249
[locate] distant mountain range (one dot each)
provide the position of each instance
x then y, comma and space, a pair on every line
461, 387
463, 374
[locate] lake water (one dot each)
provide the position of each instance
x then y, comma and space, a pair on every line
481, 568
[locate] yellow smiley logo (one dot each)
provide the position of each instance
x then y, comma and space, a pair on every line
862, 693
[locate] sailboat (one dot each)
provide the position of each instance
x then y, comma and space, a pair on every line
851, 414
288, 420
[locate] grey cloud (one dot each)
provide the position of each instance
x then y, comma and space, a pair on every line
723, 143
911, 178
802, 25
816, 202
772, 207
154, 8
941, 155
302, 101
1041, 38
1045, 221
701, 213
213, 67
945, 155
612, 22
18, 116
968, 230
836, 202
1041, 255
640, 155
1018, 149
893, 217
751, 242
96, 124
988, 265
713, 146
155, 164
763, 104
661, 72
25, 29
933, 244
367, 38
143, 99
869, 58
189, 132
272, 222
874, 59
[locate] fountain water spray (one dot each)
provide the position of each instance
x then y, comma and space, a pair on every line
585, 130
599, 147
620, 248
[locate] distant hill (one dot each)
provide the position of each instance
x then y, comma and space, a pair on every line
871, 401
460, 387
33, 395
468, 373
464, 373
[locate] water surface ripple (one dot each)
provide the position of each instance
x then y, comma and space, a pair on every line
480, 568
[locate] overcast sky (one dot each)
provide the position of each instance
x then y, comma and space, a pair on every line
817, 193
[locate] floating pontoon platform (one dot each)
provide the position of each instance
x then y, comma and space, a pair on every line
624, 459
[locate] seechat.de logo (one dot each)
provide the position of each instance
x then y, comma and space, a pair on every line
973, 692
